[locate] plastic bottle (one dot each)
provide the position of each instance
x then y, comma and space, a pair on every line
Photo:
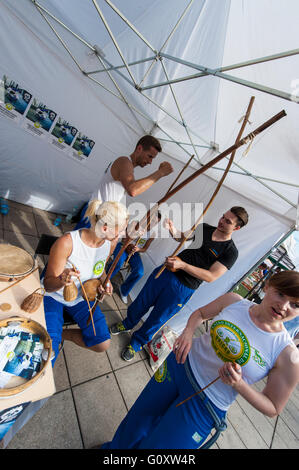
57, 221
69, 216
4, 207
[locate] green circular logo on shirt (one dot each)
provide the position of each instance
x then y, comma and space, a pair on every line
160, 374
98, 268
229, 342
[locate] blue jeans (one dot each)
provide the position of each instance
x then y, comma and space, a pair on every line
155, 422
80, 313
136, 273
167, 295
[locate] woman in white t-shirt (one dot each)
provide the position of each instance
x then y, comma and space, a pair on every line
245, 343
86, 250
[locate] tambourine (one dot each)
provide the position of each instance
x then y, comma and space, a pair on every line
18, 384
15, 262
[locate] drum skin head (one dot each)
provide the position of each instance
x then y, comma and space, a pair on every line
14, 261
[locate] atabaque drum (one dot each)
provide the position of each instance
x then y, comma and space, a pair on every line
15, 262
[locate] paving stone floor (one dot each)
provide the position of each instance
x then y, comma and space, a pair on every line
95, 391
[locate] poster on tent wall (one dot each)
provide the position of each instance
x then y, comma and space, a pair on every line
14, 100
82, 147
63, 134
40, 120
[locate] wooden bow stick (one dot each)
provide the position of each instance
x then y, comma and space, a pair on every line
152, 216
204, 388
83, 290
201, 170
199, 391
245, 120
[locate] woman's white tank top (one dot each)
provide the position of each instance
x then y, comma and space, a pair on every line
109, 189
89, 261
233, 337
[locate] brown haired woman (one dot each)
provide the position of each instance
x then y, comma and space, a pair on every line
245, 343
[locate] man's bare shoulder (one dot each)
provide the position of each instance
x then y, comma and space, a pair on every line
122, 166
122, 161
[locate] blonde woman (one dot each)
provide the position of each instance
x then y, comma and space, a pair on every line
87, 250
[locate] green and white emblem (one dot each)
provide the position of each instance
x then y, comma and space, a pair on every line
229, 342
98, 268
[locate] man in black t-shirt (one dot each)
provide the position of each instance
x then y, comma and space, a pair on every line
208, 258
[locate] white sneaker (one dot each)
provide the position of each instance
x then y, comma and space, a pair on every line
124, 298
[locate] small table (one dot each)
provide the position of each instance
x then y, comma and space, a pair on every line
15, 410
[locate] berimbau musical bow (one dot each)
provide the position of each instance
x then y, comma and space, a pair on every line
188, 180
189, 232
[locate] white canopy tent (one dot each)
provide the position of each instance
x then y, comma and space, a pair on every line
181, 70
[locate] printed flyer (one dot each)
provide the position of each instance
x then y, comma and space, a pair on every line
39, 119
9, 416
14, 100
42, 118
82, 146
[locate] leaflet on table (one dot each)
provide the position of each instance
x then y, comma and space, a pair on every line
20, 353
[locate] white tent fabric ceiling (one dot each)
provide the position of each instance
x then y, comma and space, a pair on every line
46, 45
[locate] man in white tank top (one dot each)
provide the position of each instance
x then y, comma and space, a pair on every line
119, 179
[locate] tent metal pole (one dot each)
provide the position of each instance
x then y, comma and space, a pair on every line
266, 185
256, 86
123, 96
158, 105
184, 143
175, 80
60, 39
173, 117
247, 63
116, 68
167, 39
280, 241
242, 64
109, 69
176, 25
250, 174
62, 24
119, 97
114, 41
128, 23
247, 173
260, 60
180, 112
216, 73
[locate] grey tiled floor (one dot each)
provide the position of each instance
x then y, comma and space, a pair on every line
94, 391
